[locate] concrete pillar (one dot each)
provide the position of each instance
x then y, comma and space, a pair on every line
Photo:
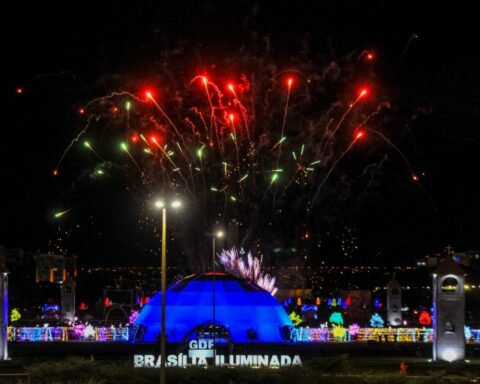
67, 294
448, 312
394, 303
3, 306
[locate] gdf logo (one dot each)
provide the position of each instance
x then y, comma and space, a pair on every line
200, 348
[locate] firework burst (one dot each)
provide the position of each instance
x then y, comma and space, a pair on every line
251, 146
249, 268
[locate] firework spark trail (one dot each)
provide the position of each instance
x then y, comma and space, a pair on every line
175, 167
376, 167
63, 73
393, 146
125, 149
369, 55
75, 139
242, 109
285, 112
404, 53
150, 96
315, 196
88, 145
236, 144
111, 96
340, 122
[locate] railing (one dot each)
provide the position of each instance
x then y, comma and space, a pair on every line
303, 335
75, 333
357, 334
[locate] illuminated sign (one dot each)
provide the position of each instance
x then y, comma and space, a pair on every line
201, 353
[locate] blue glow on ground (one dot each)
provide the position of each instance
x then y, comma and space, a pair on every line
240, 307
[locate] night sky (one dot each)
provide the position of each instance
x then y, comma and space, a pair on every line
59, 54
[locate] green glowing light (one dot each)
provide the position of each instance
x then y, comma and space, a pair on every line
124, 146
277, 170
100, 172
87, 144
243, 178
59, 214
213, 189
294, 156
200, 151
127, 105
233, 198
274, 178
303, 148
232, 136
282, 140
315, 162
148, 150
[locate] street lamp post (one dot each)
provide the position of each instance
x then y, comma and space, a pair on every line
163, 339
218, 234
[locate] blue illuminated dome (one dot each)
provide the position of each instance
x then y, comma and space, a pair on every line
244, 312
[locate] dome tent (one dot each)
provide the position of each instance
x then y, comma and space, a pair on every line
246, 311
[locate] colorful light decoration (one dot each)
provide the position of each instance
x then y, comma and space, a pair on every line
15, 315
354, 333
296, 319
339, 332
133, 316
425, 318
376, 321
354, 329
336, 318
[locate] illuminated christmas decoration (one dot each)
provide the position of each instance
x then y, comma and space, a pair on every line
299, 301
376, 321
133, 316
353, 329
83, 306
107, 302
336, 318
296, 319
15, 315
79, 332
425, 318
318, 301
339, 332
300, 334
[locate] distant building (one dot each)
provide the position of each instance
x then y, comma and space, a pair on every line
54, 268
469, 258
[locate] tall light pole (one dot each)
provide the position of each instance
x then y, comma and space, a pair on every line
218, 234
159, 204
